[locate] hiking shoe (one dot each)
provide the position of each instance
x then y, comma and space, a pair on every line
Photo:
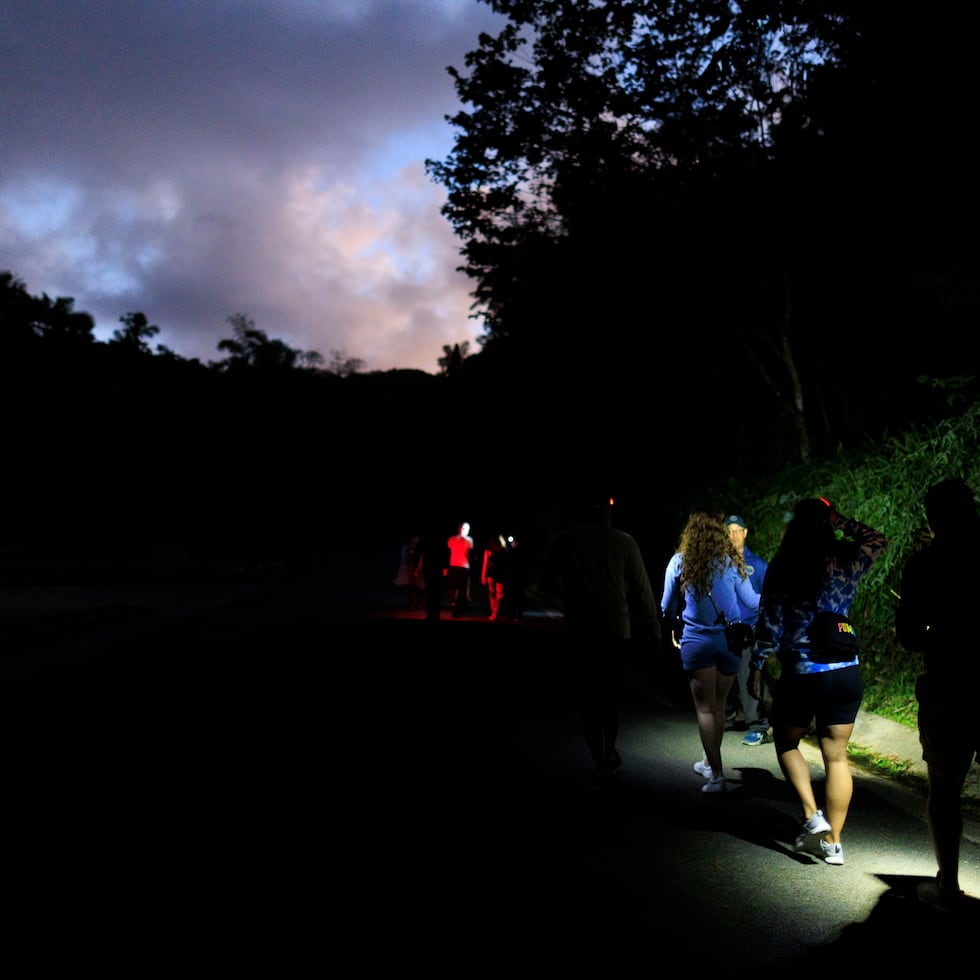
832, 853
754, 736
817, 824
941, 899
715, 785
614, 761
702, 768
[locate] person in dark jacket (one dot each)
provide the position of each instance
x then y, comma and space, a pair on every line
931, 618
597, 574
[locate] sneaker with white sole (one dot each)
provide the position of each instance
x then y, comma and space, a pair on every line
754, 736
817, 824
702, 768
832, 853
715, 785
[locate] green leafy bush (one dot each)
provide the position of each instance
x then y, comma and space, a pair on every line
884, 486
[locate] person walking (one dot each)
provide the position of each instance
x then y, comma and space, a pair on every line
597, 574
432, 555
494, 574
518, 577
705, 584
409, 578
458, 580
757, 725
930, 620
814, 572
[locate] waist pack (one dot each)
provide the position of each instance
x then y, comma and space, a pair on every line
739, 636
832, 639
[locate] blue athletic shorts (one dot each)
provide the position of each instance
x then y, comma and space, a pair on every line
709, 651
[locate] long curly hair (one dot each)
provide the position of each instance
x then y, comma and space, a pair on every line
705, 547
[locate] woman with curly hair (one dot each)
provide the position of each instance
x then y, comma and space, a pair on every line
704, 583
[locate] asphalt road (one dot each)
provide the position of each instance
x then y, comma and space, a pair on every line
303, 783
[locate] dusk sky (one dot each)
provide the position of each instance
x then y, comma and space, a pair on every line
198, 159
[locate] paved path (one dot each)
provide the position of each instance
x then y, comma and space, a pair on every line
292, 785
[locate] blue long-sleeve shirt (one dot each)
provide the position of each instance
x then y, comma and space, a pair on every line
731, 593
784, 621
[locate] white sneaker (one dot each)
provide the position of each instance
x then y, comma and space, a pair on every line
817, 824
715, 785
703, 769
832, 853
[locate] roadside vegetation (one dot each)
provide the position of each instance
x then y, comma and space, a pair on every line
882, 484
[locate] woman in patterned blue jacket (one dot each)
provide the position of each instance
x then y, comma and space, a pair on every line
814, 571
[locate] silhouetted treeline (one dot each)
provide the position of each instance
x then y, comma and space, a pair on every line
752, 224
710, 241
115, 455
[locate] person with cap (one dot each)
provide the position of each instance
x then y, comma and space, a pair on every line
813, 578
597, 575
931, 619
757, 724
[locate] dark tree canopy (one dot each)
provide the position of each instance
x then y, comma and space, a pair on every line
719, 209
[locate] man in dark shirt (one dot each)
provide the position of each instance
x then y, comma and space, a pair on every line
597, 573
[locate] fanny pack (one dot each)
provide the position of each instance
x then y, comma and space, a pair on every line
832, 638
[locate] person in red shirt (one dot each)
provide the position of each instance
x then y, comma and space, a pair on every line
458, 580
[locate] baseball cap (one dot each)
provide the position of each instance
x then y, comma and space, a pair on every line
735, 519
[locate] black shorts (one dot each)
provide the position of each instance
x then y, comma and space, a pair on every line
949, 727
831, 697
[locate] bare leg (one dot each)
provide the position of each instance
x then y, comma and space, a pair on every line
839, 785
794, 767
709, 689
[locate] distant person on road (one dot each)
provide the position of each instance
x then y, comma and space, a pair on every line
458, 581
433, 564
753, 713
408, 578
814, 570
597, 575
518, 577
493, 574
931, 619
706, 583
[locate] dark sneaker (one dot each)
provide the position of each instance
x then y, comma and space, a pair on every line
941, 899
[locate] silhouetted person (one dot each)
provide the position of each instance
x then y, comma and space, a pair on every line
597, 573
518, 578
408, 577
938, 584
433, 560
494, 575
